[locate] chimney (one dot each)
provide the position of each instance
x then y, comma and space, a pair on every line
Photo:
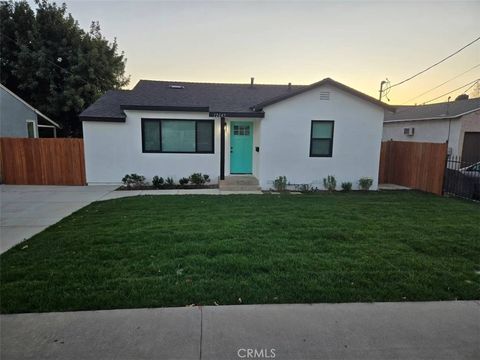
289, 86
251, 82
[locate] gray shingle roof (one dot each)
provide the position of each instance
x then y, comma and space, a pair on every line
445, 110
218, 97
108, 106
214, 97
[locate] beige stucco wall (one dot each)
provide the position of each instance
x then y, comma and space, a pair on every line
470, 123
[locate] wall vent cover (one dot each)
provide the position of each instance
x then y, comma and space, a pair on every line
325, 95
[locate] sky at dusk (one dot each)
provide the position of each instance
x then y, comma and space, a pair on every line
358, 43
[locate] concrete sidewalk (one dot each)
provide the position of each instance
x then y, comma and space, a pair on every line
422, 330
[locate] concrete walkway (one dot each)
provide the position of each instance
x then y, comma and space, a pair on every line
28, 209
422, 330
392, 187
128, 193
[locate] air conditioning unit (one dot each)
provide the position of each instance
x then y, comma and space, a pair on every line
409, 131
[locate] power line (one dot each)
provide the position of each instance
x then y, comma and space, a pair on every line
436, 87
461, 87
466, 91
437, 63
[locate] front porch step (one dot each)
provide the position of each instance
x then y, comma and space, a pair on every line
239, 183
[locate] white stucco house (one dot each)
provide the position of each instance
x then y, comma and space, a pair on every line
456, 122
230, 131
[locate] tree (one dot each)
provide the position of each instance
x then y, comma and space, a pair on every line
49, 61
461, 97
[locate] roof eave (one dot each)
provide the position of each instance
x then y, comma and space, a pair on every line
434, 117
30, 106
242, 114
103, 118
166, 108
326, 81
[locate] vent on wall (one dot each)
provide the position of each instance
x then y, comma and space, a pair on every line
409, 131
325, 95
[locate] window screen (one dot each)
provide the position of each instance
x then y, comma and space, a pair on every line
177, 136
321, 140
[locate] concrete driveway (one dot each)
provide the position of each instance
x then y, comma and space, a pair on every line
28, 209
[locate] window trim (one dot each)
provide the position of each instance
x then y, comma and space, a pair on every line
330, 153
35, 132
178, 152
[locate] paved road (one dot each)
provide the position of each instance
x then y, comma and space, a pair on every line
26, 210
428, 330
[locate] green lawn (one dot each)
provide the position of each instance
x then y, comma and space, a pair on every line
180, 250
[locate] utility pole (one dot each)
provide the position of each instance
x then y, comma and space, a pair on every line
381, 90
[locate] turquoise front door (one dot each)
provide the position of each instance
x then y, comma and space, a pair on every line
241, 147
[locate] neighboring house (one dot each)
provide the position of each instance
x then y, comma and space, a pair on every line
20, 119
457, 122
174, 129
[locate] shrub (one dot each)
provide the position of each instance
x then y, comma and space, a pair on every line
169, 182
346, 186
206, 178
133, 180
158, 182
183, 181
280, 183
198, 179
306, 188
365, 183
330, 183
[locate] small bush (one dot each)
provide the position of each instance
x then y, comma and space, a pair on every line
133, 180
280, 183
169, 182
365, 183
306, 188
346, 186
198, 179
206, 178
330, 183
183, 181
158, 182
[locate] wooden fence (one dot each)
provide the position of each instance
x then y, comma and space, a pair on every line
42, 161
413, 164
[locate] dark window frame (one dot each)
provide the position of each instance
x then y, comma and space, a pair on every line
196, 121
330, 153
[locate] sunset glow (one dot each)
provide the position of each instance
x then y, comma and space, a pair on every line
357, 43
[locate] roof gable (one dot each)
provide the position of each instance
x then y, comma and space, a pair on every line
18, 98
326, 81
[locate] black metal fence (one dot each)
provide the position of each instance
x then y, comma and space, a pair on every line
462, 178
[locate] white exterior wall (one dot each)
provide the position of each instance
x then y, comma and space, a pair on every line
285, 139
115, 149
435, 131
